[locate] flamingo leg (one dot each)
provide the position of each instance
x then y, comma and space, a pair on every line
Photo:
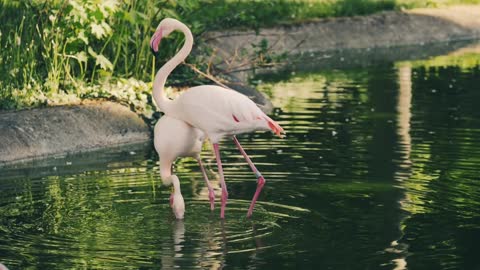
260, 179
172, 189
222, 181
211, 194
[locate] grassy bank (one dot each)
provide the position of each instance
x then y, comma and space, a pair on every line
63, 51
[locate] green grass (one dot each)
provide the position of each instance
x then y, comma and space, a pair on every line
222, 14
54, 49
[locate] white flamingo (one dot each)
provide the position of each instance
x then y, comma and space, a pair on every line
174, 138
215, 110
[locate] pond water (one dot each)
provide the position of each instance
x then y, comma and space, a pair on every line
378, 171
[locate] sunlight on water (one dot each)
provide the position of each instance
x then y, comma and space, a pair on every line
378, 171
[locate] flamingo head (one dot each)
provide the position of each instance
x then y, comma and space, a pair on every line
176, 199
166, 26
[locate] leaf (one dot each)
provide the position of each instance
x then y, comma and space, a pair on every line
78, 12
97, 30
141, 15
106, 28
82, 37
107, 7
81, 57
170, 13
128, 16
92, 52
104, 62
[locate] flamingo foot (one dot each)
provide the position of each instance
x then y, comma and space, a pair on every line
260, 184
211, 197
224, 203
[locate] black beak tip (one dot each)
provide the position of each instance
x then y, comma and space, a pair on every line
154, 52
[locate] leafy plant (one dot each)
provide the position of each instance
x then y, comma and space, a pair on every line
53, 49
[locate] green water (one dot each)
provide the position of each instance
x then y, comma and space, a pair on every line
379, 170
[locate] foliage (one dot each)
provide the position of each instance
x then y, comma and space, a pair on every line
465, 60
53, 49
56, 47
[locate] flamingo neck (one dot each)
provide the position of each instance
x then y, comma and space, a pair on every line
161, 99
165, 171
176, 186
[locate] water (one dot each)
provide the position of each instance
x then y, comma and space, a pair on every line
378, 171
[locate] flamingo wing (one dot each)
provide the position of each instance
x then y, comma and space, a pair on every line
216, 109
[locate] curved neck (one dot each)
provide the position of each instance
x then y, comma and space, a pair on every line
176, 185
165, 170
163, 102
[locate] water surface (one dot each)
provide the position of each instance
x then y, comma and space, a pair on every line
378, 171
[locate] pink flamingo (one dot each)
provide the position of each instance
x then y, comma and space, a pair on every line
215, 110
174, 138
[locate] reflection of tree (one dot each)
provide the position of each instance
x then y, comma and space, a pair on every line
112, 219
404, 163
423, 138
348, 140
441, 203
465, 58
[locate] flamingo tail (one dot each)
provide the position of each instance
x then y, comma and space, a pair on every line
275, 127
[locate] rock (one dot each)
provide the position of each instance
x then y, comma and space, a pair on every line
41, 132
256, 96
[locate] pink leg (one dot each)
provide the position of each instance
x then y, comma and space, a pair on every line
260, 179
211, 194
222, 181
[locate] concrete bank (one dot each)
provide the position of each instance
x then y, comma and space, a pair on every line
385, 29
29, 134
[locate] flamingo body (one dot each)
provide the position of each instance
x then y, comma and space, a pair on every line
220, 112
172, 139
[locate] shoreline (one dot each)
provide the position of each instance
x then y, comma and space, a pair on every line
386, 29
60, 130
56, 131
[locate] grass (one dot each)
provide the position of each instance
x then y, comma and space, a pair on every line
222, 14
59, 51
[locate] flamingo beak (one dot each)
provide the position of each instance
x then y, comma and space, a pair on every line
155, 41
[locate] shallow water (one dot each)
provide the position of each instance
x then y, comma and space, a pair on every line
378, 171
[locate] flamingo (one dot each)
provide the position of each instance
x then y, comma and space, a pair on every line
174, 138
217, 111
